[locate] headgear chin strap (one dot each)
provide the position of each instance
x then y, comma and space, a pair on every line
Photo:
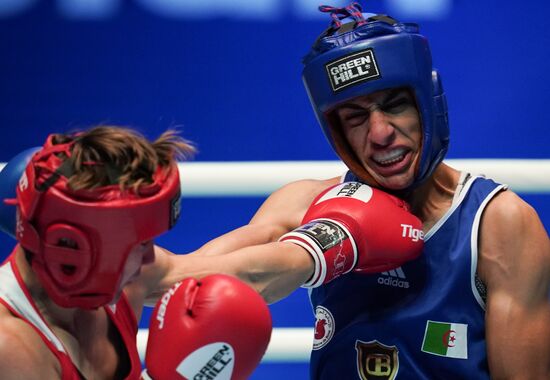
363, 53
82, 239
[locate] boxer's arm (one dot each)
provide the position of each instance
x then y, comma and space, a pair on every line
281, 212
349, 227
269, 269
273, 269
515, 265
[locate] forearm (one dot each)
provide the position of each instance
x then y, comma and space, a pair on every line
275, 269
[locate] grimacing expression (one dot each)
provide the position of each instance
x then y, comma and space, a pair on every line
384, 131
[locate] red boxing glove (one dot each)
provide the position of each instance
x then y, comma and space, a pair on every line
214, 328
352, 226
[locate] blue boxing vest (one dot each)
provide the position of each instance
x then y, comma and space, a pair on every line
423, 320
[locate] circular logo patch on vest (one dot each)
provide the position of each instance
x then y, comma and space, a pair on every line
324, 327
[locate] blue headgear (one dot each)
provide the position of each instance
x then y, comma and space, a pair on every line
368, 54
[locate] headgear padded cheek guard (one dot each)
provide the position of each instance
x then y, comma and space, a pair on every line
81, 239
368, 54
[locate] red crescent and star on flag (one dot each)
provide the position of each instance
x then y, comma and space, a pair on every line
448, 339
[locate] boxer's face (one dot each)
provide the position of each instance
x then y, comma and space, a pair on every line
384, 131
140, 255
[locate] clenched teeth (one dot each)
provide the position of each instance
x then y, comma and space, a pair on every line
390, 157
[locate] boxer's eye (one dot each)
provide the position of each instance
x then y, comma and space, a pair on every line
353, 117
397, 106
357, 119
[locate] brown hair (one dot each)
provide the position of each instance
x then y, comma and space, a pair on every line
110, 154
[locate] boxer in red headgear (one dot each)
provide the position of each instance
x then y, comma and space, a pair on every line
86, 243
88, 208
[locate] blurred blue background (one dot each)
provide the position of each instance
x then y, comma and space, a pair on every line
227, 73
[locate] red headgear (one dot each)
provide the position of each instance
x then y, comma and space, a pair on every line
106, 223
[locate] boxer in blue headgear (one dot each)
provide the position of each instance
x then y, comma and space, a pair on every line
366, 53
460, 309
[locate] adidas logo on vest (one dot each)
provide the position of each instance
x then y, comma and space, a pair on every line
395, 277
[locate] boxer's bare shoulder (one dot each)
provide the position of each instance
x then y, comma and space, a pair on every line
23, 354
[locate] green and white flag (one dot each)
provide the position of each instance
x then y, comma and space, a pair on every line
446, 339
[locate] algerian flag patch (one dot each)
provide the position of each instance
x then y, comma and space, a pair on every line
446, 339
